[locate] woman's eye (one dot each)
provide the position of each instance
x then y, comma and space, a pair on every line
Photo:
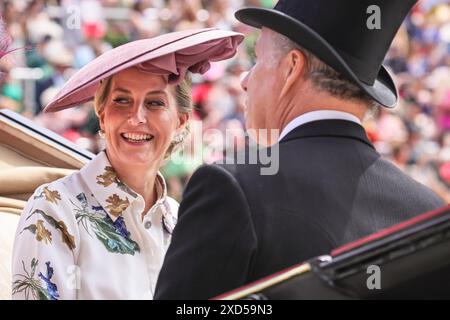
155, 103
121, 100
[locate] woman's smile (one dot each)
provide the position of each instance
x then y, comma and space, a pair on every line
137, 138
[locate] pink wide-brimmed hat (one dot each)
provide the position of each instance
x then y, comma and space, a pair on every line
171, 54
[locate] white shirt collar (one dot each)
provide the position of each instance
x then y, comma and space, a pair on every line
112, 194
317, 115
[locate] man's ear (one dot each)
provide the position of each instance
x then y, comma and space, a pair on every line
295, 66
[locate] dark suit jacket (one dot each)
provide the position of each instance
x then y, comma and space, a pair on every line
236, 225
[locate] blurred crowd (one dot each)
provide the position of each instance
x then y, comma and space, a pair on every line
61, 36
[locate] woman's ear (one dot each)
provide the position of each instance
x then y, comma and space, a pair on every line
183, 119
101, 119
295, 66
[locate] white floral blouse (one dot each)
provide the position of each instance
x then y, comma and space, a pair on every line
83, 237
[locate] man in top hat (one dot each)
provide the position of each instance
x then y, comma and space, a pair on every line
318, 72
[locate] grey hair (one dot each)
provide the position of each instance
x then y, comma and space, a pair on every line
323, 77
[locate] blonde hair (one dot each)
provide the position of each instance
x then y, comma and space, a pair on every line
183, 98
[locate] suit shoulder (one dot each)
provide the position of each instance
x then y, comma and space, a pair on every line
252, 161
218, 172
411, 188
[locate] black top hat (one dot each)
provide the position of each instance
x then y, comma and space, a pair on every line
351, 36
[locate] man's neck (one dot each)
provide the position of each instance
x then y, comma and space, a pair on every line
316, 101
315, 116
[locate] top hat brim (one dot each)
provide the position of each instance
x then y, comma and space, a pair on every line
383, 89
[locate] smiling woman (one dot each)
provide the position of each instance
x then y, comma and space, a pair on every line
102, 232
180, 93
140, 118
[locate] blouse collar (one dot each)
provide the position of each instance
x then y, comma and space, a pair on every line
113, 195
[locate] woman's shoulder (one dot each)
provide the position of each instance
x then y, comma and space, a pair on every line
47, 230
62, 181
49, 212
57, 192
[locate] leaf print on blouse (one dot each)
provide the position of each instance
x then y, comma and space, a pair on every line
116, 205
50, 196
109, 177
42, 234
67, 238
42, 288
113, 234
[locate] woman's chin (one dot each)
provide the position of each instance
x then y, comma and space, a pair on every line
140, 159
144, 156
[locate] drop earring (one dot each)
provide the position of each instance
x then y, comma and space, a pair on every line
101, 134
178, 138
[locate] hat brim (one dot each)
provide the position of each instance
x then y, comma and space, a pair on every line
383, 89
82, 86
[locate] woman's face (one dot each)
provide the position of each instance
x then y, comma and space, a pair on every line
140, 118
